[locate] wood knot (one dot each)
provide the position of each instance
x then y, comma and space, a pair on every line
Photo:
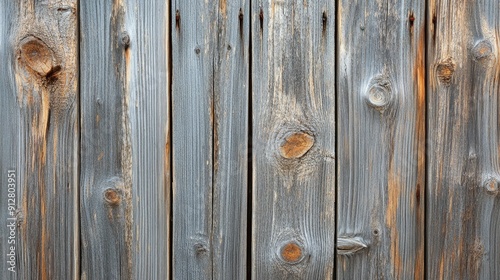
125, 39
491, 186
379, 95
197, 50
200, 249
291, 252
37, 56
112, 196
482, 51
296, 145
445, 70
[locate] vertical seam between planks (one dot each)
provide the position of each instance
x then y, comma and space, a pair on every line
170, 121
336, 88
249, 148
213, 147
426, 129
215, 56
78, 241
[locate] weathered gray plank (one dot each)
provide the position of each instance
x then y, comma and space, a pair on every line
194, 39
381, 129
293, 111
10, 144
125, 139
463, 206
231, 101
39, 118
210, 43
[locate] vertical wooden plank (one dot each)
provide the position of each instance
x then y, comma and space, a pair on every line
125, 147
10, 142
463, 206
39, 103
194, 38
381, 129
231, 101
293, 96
105, 151
210, 135
40, 110
148, 26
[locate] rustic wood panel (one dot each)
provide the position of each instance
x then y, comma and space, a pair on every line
125, 139
39, 115
293, 111
231, 128
463, 206
381, 127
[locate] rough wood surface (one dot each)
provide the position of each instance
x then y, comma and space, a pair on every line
90, 89
381, 126
194, 39
125, 139
39, 115
231, 105
463, 206
210, 92
293, 111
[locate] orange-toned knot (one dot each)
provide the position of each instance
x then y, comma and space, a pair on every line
36, 55
296, 145
445, 70
291, 252
112, 196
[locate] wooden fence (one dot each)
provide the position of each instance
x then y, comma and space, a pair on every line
249, 139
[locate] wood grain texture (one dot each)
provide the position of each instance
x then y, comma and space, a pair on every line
231, 128
210, 42
194, 42
381, 130
463, 206
38, 93
293, 111
125, 139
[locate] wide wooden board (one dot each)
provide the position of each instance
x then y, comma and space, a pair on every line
381, 134
293, 139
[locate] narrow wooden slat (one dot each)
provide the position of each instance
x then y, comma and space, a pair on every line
229, 237
293, 111
194, 38
125, 148
463, 206
381, 127
149, 86
39, 115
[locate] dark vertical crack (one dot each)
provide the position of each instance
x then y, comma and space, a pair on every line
215, 65
170, 132
249, 153
336, 89
426, 128
79, 144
